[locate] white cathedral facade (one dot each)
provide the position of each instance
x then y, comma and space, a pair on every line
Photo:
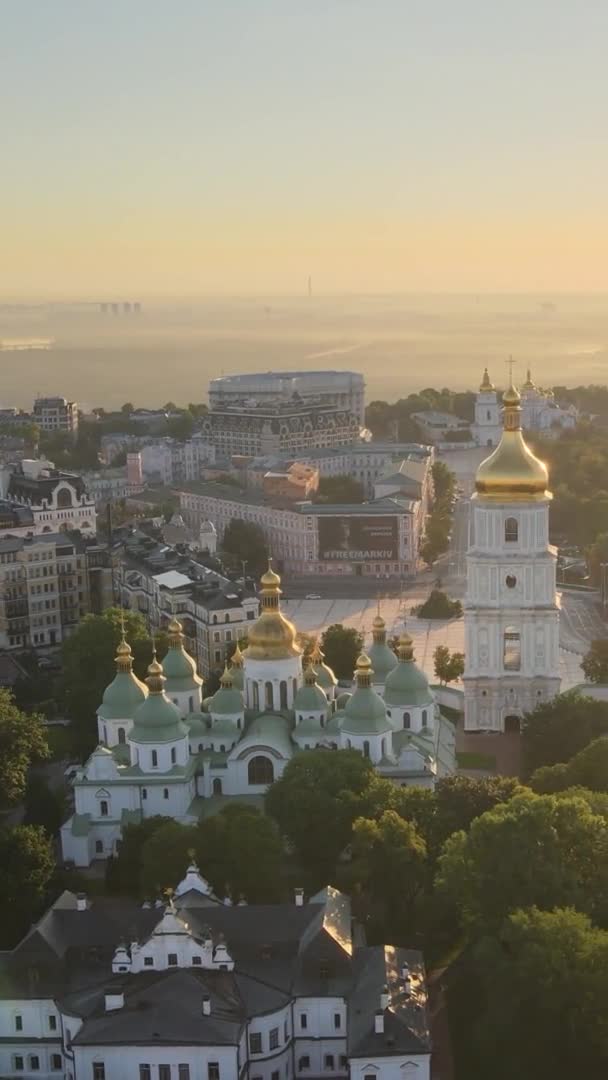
511, 612
163, 749
539, 412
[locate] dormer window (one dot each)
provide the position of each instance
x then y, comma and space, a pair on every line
172, 959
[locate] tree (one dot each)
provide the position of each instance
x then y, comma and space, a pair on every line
240, 853
44, 805
595, 661
544, 977
341, 646
88, 666
164, 857
444, 482
182, 426
389, 860
339, 489
460, 800
314, 805
22, 741
26, 857
533, 850
448, 666
587, 769
556, 730
127, 408
124, 870
439, 606
436, 539
245, 541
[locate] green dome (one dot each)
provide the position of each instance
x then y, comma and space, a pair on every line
179, 669
310, 699
343, 698
157, 719
122, 697
406, 684
226, 700
333, 726
365, 713
383, 660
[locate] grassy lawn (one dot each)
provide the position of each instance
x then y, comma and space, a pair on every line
472, 760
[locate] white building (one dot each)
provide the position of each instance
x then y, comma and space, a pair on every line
202, 990
56, 414
342, 389
164, 750
511, 611
539, 412
58, 501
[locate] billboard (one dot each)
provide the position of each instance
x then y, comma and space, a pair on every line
358, 539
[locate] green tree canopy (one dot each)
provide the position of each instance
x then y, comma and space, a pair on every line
240, 853
448, 666
124, 870
164, 856
595, 661
587, 769
556, 730
44, 805
182, 426
439, 606
532, 999
314, 805
389, 861
22, 741
339, 489
341, 645
26, 857
245, 542
535, 849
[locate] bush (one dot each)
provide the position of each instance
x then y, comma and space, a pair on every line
439, 606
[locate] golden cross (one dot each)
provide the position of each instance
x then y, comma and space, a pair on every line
510, 362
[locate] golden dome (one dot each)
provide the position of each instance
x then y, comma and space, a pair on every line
237, 657
272, 636
486, 382
512, 472
529, 384
124, 649
155, 679
378, 623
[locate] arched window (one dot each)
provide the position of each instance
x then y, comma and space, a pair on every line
122, 738
511, 530
226, 617
283, 691
105, 735
488, 414
424, 717
103, 807
383, 747
191, 704
47, 528
260, 770
173, 755
200, 747
217, 786
154, 756
407, 720
366, 749
64, 498
256, 696
214, 620
268, 694
512, 649
294, 686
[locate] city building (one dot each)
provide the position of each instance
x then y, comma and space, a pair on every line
442, 427
166, 749
104, 485
199, 989
162, 582
511, 611
49, 582
58, 501
246, 427
162, 460
379, 538
540, 412
56, 414
344, 390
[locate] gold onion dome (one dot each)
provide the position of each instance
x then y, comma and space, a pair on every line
486, 382
529, 383
512, 472
272, 637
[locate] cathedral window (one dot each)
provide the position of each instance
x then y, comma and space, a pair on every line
268, 694
256, 696
510, 581
154, 758
366, 749
103, 808
512, 649
122, 738
424, 715
283, 690
488, 414
511, 530
173, 755
260, 770
407, 720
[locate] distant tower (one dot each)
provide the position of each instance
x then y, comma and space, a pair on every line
511, 617
134, 469
487, 428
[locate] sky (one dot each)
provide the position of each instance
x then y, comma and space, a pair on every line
176, 147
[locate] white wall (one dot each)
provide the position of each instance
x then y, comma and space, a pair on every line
122, 1062
402, 1067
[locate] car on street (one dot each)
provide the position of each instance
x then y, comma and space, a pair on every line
313, 596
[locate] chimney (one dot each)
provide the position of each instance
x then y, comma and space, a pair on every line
81, 901
114, 999
299, 897
385, 998
206, 1006
379, 1022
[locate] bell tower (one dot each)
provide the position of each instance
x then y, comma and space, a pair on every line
511, 614
487, 428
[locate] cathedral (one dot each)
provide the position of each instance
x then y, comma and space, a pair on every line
511, 612
166, 749
539, 412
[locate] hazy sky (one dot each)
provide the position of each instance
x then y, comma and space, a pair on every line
201, 146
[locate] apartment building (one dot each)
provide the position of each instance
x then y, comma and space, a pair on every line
256, 428
58, 501
56, 414
343, 390
48, 582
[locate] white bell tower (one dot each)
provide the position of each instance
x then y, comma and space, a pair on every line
487, 428
511, 614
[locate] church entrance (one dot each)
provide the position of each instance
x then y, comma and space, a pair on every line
512, 725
